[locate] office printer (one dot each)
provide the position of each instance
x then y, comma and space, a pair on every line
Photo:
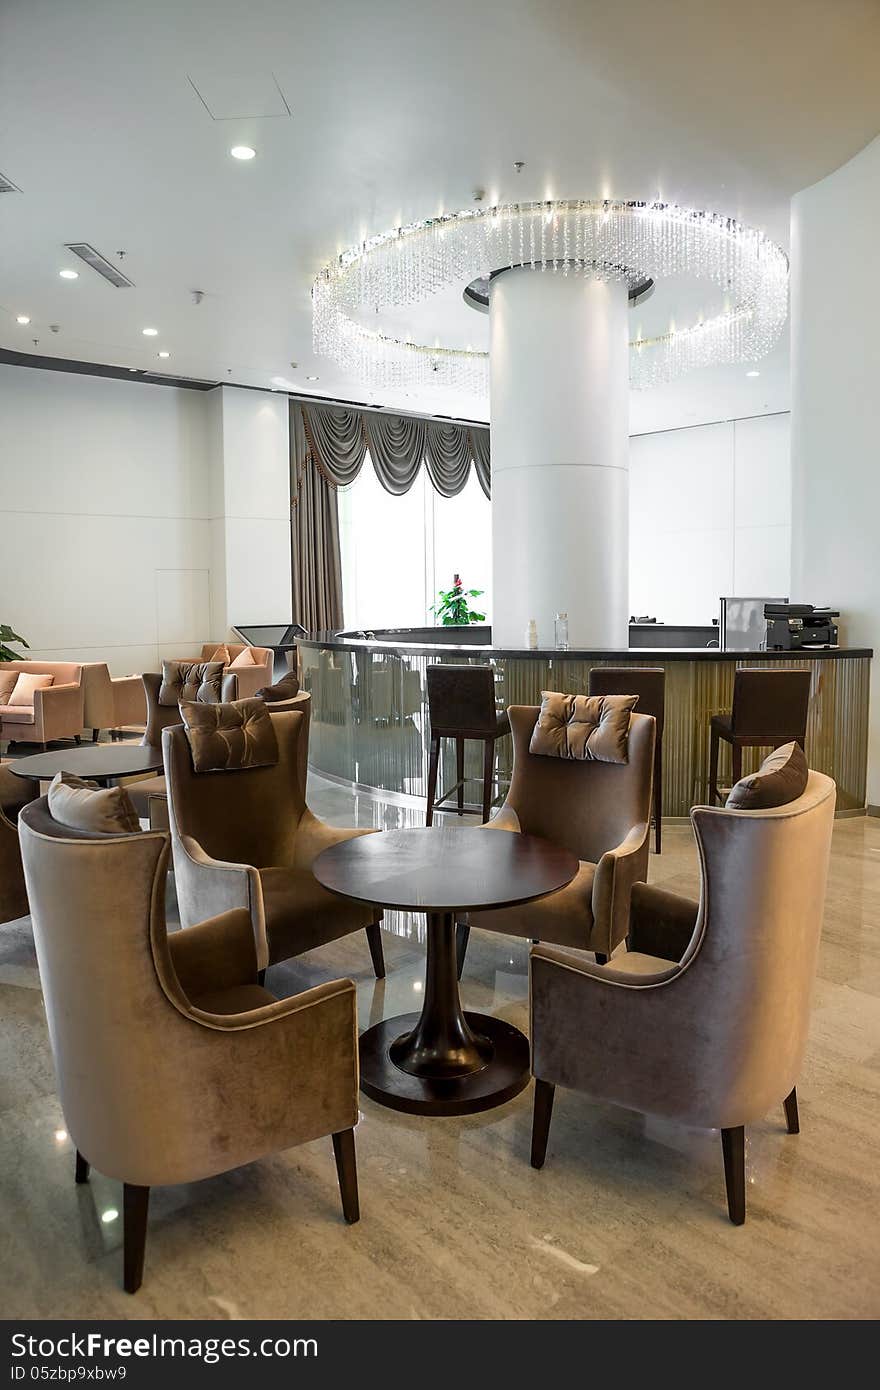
791, 626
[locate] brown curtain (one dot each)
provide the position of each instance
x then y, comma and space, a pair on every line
314, 534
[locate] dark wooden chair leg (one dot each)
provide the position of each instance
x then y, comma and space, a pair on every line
462, 932
83, 1168
459, 773
658, 796
488, 769
77, 738
377, 955
432, 778
135, 1206
733, 1144
346, 1171
541, 1114
261, 977
792, 1119
601, 958
713, 767
736, 763
95, 733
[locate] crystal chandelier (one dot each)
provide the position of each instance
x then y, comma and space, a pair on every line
608, 240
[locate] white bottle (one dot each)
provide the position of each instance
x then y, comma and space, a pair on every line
532, 635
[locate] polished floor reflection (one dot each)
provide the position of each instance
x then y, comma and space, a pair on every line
627, 1219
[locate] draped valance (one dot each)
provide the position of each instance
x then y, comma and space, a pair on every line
338, 439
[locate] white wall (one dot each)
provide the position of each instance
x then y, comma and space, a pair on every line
139, 521
104, 507
834, 411
710, 514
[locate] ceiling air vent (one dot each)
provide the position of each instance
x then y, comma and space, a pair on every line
7, 186
100, 264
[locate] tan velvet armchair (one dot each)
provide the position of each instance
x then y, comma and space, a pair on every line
704, 1020
247, 839
111, 702
57, 711
601, 812
173, 1064
15, 792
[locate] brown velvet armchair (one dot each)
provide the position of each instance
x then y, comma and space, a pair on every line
246, 838
704, 1019
601, 813
173, 1064
15, 792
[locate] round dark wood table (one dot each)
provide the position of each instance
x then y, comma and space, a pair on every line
98, 762
444, 1061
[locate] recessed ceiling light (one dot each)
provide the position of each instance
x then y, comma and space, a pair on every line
311, 378
753, 373
150, 332
242, 152
164, 354
22, 318
69, 274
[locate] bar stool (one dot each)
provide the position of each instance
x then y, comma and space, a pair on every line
461, 705
649, 683
769, 709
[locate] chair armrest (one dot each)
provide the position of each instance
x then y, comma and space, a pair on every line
660, 923
129, 701
252, 678
217, 954
222, 886
58, 711
616, 872
314, 835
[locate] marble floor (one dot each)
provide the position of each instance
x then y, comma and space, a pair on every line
626, 1220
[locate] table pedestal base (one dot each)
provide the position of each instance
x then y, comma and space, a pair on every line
504, 1073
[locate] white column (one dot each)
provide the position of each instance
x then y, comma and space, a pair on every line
559, 375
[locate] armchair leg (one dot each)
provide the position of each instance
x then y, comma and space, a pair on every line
713, 767
377, 955
462, 933
95, 733
82, 1168
261, 977
77, 738
346, 1171
792, 1119
601, 958
733, 1144
541, 1115
135, 1206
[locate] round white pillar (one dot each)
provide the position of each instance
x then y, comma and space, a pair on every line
559, 376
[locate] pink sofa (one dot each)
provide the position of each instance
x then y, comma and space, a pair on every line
57, 711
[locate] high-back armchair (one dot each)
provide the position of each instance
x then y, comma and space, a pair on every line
15, 792
172, 1063
246, 838
713, 1037
601, 813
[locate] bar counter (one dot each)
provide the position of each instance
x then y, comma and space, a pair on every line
370, 719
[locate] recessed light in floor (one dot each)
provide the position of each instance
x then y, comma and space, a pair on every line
311, 378
69, 274
753, 373
242, 152
22, 318
150, 332
164, 354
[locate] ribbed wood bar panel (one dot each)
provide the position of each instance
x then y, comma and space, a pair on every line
370, 719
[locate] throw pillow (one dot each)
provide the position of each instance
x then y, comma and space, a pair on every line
229, 737
85, 806
221, 654
27, 683
285, 689
244, 658
586, 728
781, 778
7, 685
191, 680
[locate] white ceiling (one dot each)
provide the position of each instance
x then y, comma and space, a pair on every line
116, 118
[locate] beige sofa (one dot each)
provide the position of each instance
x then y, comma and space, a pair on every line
111, 702
57, 711
249, 679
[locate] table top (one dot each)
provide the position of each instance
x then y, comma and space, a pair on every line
90, 760
445, 868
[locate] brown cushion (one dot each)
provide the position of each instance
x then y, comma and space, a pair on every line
86, 806
781, 778
285, 689
244, 658
26, 684
221, 654
191, 680
589, 728
225, 738
7, 685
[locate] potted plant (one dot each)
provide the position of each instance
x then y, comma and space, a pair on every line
7, 635
453, 608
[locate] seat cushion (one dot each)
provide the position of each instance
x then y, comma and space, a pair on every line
636, 963
27, 683
17, 714
301, 914
563, 918
781, 778
239, 999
